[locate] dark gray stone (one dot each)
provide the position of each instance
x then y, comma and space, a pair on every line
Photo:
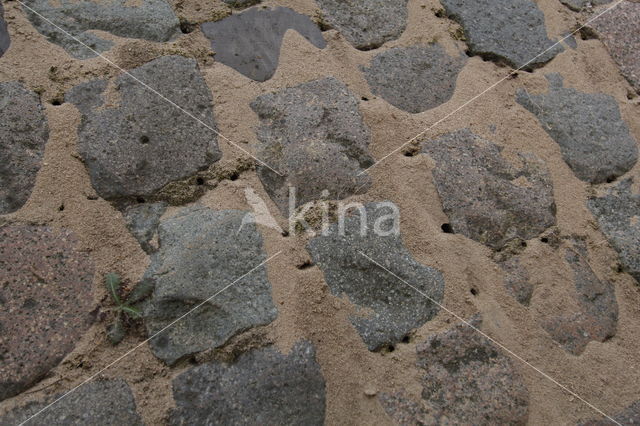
517, 280
241, 3
618, 214
46, 303
5, 40
249, 42
619, 30
487, 198
579, 5
366, 24
142, 220
415, 78
597, 316
152, 20
628, 416
314, 135
393, 308
262, 387
135, 148
99, 403
24, 133
508, 31
594, 140
201, 252
467, 381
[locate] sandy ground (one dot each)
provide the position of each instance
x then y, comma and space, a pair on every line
606, 374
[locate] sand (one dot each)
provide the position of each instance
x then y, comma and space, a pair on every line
606, 374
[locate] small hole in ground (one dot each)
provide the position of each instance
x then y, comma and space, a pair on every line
140, 200
611, 179
56, 102
474, 291
406, 339
446, 228
364, 98
234, 176
523, 244
61, 208
391, 348
144, 139
200, 181
306, 265
544, 240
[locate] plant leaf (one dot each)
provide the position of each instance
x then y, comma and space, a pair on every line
116, 331
131, 311
141, 291
113, 287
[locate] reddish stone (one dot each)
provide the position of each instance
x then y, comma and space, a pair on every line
619, 29
45, 302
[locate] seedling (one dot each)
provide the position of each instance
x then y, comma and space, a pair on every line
125, 308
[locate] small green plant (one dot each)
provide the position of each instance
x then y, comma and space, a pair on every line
125, 307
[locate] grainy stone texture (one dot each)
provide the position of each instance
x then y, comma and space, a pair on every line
24, 133
98, 403
598, 310
241, 3
594, 140
201, 252
509, 31
366, 24
152, 20
249, 42
628, 416
487, 198
262, 387
618, 214
578, 5
142, 220
5, 40
400, 76
467, 381
313, 134
517, 280
390, 308
155, 142
45, 302
619, 29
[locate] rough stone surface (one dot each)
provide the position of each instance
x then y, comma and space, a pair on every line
594, 140
400, 76
45, 302
155, 142
366, 24
152, 20
107, 402
517, 280
487, 198
619, 29
618, 214
313, 134
5, 40
598, 310
24, 133
628, 416
467, 381
390, 308
262, 387
241, 3
509, 31
249, 42
201, 252
142, 220
579, 5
